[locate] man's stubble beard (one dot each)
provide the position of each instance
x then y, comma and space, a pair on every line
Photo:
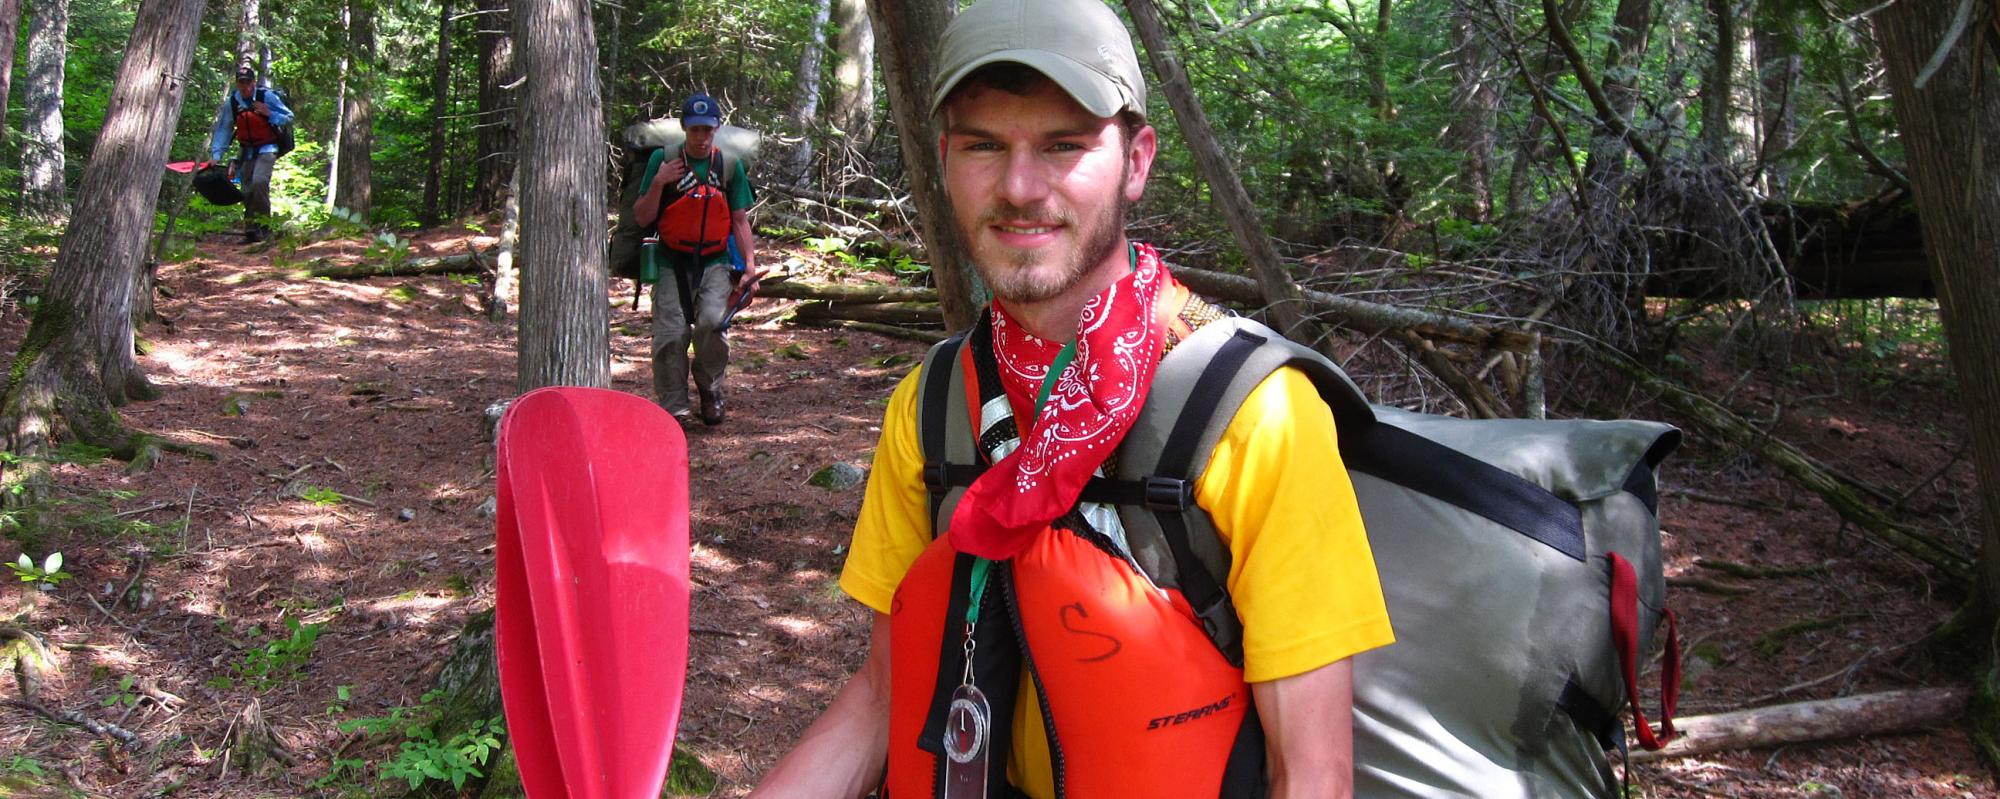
1008, 277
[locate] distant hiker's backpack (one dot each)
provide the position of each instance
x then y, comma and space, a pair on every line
645, 146
213, 184
282, 135
1520, 561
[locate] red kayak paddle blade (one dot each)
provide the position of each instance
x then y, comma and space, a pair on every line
592, 605
184, 167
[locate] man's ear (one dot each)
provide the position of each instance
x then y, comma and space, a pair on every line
1145, 144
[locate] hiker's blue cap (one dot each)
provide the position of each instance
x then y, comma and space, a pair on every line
701, 109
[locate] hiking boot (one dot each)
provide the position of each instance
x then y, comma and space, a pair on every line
711, 406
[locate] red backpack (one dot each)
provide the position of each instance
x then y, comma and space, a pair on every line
697, 222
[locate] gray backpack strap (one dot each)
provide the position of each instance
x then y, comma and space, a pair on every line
943, 431
1195, 395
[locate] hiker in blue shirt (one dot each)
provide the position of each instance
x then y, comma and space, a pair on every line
252, 116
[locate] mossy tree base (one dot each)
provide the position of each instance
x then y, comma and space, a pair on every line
60, 390
1968, 645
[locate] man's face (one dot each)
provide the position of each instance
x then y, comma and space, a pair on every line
245, 85
1039, 186
700, 139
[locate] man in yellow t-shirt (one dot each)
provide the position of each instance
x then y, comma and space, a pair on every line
1044, 146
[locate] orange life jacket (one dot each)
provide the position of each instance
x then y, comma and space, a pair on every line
697, 221
1138, 702
252, 129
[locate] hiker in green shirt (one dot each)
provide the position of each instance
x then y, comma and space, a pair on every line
698, 201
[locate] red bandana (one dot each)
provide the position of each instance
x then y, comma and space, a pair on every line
1093, 404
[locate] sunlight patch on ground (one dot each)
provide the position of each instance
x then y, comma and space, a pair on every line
710, 560
798, 626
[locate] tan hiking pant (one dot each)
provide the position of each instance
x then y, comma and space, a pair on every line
671, 335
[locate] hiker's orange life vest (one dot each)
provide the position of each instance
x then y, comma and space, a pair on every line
252, 128
1138, 702
697, 222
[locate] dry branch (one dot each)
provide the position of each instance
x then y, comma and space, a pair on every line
801, 290
1802, 468
925, 336
1823, 720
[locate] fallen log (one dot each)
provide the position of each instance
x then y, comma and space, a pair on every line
1721, 423
925, 336
835, 292
1366, 317
901, 204
1822, 720
463, 263
907, 314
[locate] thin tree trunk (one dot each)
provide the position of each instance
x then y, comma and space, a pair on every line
506, 275
1631, 30
247, 34
340, 106
1718, 85
10, 24
497, 118
1783, 67
853, 110
1475, 104
357, 116
77, 360
805, 102
44, 192
564, 316
1949, 116
1225, 181
909, 31
434, 209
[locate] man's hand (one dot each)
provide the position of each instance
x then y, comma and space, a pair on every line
670, 173
262, 108
232, 170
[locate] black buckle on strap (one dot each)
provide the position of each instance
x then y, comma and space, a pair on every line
1168, 494
934, 477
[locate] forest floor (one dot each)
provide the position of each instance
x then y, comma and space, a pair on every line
353, 470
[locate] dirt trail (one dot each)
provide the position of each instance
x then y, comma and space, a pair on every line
375, 391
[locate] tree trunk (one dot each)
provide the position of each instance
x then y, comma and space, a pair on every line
909, 31
1722, 86
357, 113
1225, 181
1475, 101
43, 190
10, 24
496, 119
853, 110
1631, 29
1782, 67
805, 102
1948, 125
506, 276
564, 316
247, 34
77, 361
434, 209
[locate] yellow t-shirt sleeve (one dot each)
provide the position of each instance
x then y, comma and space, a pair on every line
1301, 574
894, 525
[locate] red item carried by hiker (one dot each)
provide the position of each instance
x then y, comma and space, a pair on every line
592, 604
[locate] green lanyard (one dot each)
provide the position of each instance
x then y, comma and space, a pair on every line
981, 566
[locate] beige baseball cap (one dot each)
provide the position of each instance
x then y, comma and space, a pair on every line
1082, 45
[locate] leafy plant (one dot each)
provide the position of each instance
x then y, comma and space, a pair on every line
279, 659
124, 696
320, 495
422, 756
48, 575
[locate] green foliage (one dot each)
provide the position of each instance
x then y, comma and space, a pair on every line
125, 696
422, 755
46, 576
277, 659
320, 495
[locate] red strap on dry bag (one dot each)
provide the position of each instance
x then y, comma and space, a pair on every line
1625, 637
